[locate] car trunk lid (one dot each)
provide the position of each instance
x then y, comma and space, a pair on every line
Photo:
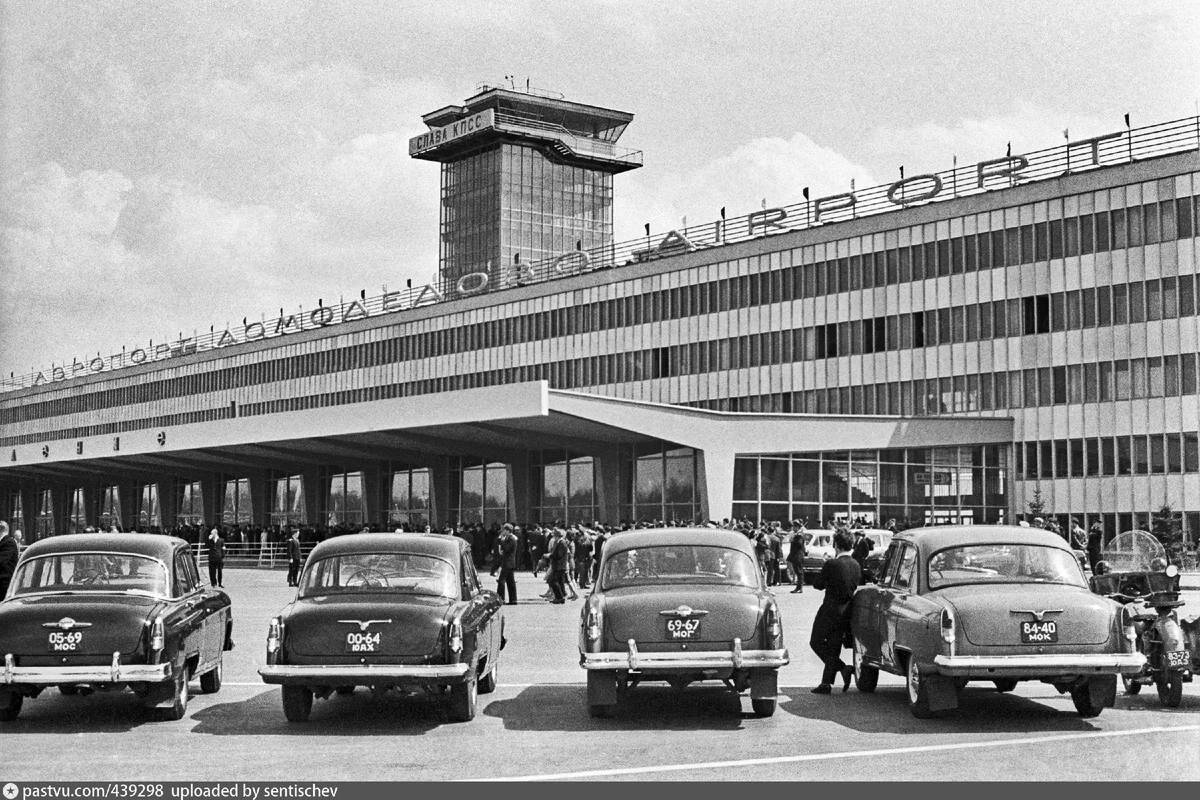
75, 625
367, 626
642, 613
993, 615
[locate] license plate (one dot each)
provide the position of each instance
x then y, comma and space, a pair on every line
683, 629
364, 642
1178, 658
65, 641
1039, 632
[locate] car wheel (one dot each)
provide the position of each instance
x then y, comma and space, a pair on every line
1170, 690
763, 706
345, 691
210, 682
1005, 684
463, 698
179, 697
70, 690
297, 703
918, 690
866, 677
1081, 696
10, 706
1131, 685
487, 684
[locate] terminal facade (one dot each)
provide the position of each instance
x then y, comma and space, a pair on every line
937, 362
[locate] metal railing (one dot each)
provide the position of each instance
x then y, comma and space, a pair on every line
1133, 144
579, 144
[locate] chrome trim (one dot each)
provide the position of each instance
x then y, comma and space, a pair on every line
363, 624
737, 653
1037, 615
66, 624
699, 659
633, 655
369, 673
1039, 664
683, 611
115, 672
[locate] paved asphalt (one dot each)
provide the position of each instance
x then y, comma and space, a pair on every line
536, 725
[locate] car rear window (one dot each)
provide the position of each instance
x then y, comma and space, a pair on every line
1003, 563
91, 572
370, 573
679, 563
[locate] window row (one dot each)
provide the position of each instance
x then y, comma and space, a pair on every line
1141, 454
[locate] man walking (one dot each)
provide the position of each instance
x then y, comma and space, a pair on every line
506, 562
293, 546
797, 549
560, 559
216, 558
8, 558
839, 577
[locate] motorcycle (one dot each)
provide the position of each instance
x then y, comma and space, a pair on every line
1151, 600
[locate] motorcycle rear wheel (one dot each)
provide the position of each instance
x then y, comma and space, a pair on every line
1170, 689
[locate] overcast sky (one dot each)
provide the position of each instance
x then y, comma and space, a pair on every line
169, 166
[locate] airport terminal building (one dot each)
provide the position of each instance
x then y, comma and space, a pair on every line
934, 351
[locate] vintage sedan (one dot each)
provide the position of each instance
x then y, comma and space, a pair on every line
100, 612
818, 550
680, 605
400, 611
989, 603
880, 539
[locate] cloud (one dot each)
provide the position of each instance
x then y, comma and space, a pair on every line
770, 168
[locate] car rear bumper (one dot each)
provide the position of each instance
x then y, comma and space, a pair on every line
363, 675
1039, 665
114, 672
737, 658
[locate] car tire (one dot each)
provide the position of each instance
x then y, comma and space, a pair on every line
866, 677
1004, 684
463, 700
344, 691
210, 682
10, 706
917, 688
1082, 698
487, 684
1170, 690
297, 703
1131, 685
763, 706
180, 694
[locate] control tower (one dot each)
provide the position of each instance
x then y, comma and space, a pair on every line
525, 177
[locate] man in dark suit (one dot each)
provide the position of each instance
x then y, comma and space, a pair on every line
862, 548
839, 577
216, 558
506, 562
293, 548
8, 558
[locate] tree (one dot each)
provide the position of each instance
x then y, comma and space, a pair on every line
1037, 506
1167, 527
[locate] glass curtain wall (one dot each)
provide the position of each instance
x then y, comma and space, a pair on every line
237, 508
16, 514
914, 486
481, 491
346, 501
411, 502
45, 519
110, 508
149, 512
565, 486
191, 504
287, 503
659, 483
78, 519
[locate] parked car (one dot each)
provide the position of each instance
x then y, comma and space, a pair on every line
989, 603
819, 549
102, 612
387, 611
881, 539
680, 605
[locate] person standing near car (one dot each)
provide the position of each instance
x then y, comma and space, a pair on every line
839, 577
8, 558
293, 548
216, 558
506, 562
1095, 544
796, 552
560, 559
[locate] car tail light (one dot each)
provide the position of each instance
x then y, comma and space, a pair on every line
274, 637
948, 632
774, 625
591, 623
456, 636
158, 639
1128, 626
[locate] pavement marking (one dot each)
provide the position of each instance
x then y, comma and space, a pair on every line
891, 751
